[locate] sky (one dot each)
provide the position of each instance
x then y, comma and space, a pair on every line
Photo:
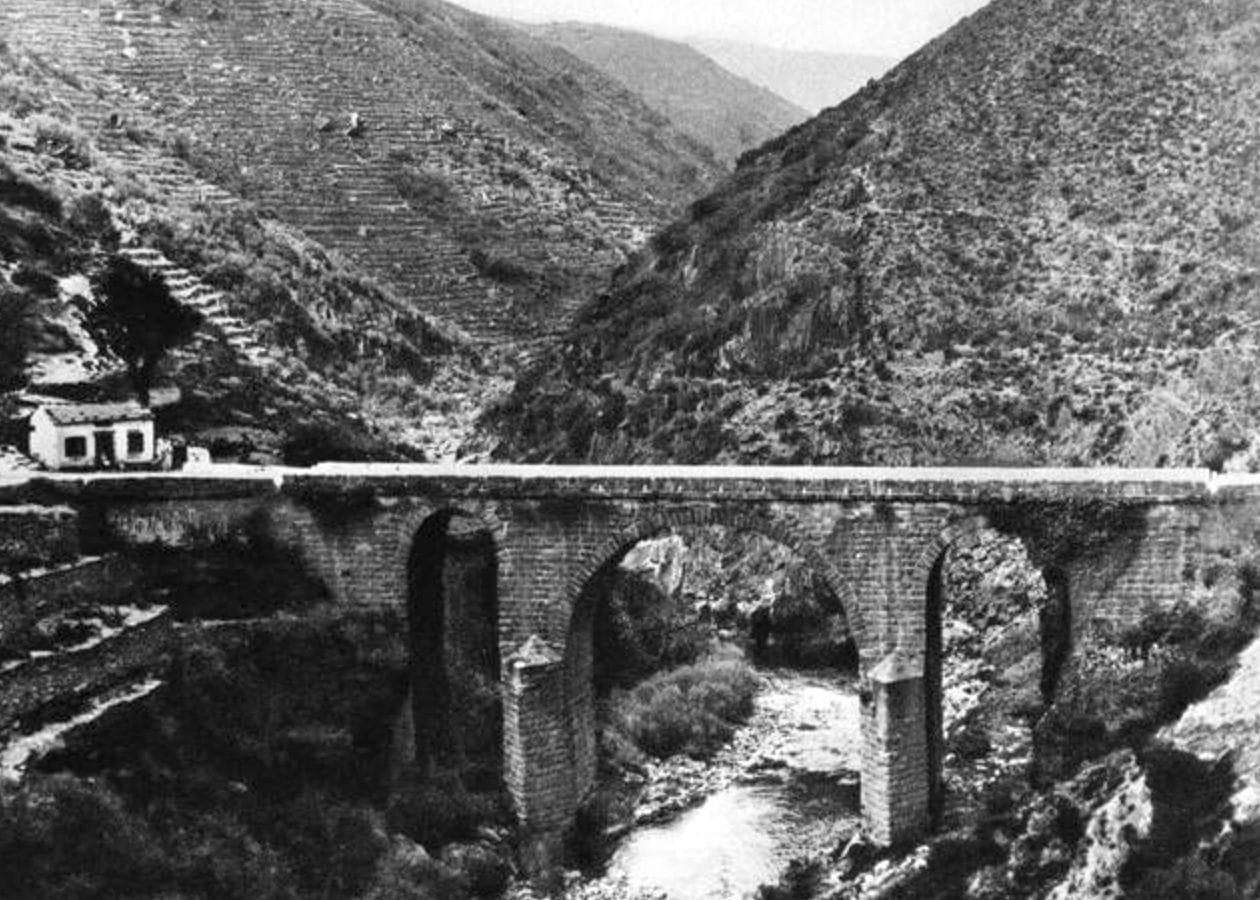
882, 27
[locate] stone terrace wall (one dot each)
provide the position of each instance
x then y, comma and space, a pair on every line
37, 535
270, 86
28, 597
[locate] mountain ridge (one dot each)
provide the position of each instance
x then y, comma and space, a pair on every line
812, 79
1031, 243
716, 107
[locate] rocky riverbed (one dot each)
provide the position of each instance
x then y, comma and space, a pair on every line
786, 786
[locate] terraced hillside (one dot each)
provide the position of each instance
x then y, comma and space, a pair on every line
714, 106
1035, 241
296, 350
488, 178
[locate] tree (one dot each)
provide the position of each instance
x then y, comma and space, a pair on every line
16, 310
139, 319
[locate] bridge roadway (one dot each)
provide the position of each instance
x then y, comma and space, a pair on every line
852, 482
1112, 544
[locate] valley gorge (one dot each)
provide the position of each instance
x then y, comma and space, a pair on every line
592, 266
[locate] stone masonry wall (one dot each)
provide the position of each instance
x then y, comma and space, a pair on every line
873, 536
27, 598
1111, 587
180, 524
68, 676
37, 535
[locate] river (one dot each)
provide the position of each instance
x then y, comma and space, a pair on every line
785, 787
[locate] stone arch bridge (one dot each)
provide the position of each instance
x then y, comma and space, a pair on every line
1112, 544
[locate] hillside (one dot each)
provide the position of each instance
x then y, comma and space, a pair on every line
717, 108
297, 352
813, 80
486, 177
1033, 242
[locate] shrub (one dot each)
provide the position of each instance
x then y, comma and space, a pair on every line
1188, 879
640, 631
437, 811
315, 442
1118, 693
500, 268
421, 188
800, 881
693, 709
66, 142
89, 216
408, 873
71, 837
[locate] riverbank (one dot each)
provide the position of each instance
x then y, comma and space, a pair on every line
786, 786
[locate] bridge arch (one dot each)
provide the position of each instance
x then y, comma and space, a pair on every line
1053, 626
736, 517
582, 603
452, 569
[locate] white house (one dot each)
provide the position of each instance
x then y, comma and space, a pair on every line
92, 435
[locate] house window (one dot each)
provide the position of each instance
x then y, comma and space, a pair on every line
76, 447
135, 443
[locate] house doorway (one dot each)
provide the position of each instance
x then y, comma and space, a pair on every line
105, 455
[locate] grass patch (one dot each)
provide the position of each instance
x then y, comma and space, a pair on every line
693, 710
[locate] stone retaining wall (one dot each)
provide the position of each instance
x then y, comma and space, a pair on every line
37, 535
29, 597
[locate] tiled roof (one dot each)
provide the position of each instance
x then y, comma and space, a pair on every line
79, 413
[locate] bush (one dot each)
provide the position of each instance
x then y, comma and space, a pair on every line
801, 881
316, 442
437, 811
420, 188
64, 141
500, 268
409, 873
1188, 879
1120, 692
71, 837
639, 631
691, 710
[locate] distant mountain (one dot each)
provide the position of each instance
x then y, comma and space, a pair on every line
1034, 242
488, 177
812, 80
717, 108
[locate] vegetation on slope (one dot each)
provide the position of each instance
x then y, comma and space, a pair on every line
488, 178
258, 772
717, 108
347, 369
1033, 242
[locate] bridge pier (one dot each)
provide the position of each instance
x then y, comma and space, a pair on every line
896, 769
538, 757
